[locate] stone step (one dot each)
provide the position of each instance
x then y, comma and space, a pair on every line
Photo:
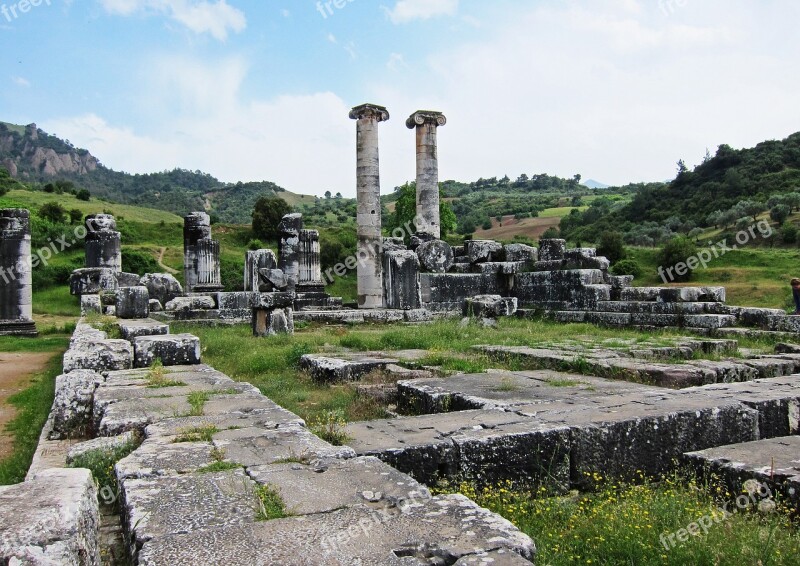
763, 470
674, 294
53, 518
540, 425
447, 525
703, 321
661, 308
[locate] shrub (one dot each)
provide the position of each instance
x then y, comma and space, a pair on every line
255, 244
75, 216
676, 251
627, 267
83, 194
52, 212
611, 246
789, 233
267, 214
139, 262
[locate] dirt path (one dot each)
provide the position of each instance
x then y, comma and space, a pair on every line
161, 262
16, 370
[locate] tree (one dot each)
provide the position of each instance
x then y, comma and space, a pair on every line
714, 219
406, 211
550, 234
75, 216
83, 194
780, 213
611, 246
267, 214
792, 200
339, 196
695, 233
789, 233
674, 257
52, 212
752, 208
328, 194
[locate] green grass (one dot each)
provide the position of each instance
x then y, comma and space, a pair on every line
218, 467
271, 364
102, 462
35, 199
560, 212
50, 343
270, 505
623, 524
33, 405
754, 277
56, 301
197, 401
203, 433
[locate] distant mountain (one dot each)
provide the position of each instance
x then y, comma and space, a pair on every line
31, 155
592, 184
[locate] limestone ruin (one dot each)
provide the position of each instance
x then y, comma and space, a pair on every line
16, 272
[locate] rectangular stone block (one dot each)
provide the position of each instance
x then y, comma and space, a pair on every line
172, 350
131, 329
454, 288
133, 303
401, 271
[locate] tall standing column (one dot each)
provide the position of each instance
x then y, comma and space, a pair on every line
426, 123
201, 267
16, 275
368, 188
103, 243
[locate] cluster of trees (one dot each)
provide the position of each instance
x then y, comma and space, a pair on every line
406, 210
523, 184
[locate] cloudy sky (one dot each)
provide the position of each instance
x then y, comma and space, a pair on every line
616, 90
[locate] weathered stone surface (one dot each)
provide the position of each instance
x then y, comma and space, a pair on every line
454, 288
156, 507
490, 306
53, 519
72, 407
774, 464
155, 305
328, 485
522, 253
480, 251
236, 301
159, 457
131, 329
172, 350
133, 303
784, 323
275, 300
92, 281
343, 368
273, 280
448, 526
99, 355
401, 280
90, 304
254, 262
197, 302
255, 446
552, 250
162, 286
272, 322
435, 256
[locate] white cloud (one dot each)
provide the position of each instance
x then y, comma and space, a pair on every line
332, 38
286, 13
409, 10
205, 123
21, 81
396, 62
216, 18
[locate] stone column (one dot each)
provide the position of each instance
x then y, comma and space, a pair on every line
103, 243
426, 123
200, 255
289, 259
254, 262
16, 275
368, 188
310, 263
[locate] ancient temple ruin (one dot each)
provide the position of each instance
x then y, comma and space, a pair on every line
200, 255
16, 291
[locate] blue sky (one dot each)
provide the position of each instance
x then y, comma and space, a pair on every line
616, 90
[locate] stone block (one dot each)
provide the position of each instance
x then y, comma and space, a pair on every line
552, 250
435, 256
273, 280
90, 304
156, 306
234, 301
490, 306
72, 407
131, 329
52, 519
103, 445
92, 280
133, 303
480, 251
754, 316
274, 300
99, 356
401, 279
329, 369
193, 303
273, 321
172, 350
255, 261
128, 279
162, 286
522, 253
